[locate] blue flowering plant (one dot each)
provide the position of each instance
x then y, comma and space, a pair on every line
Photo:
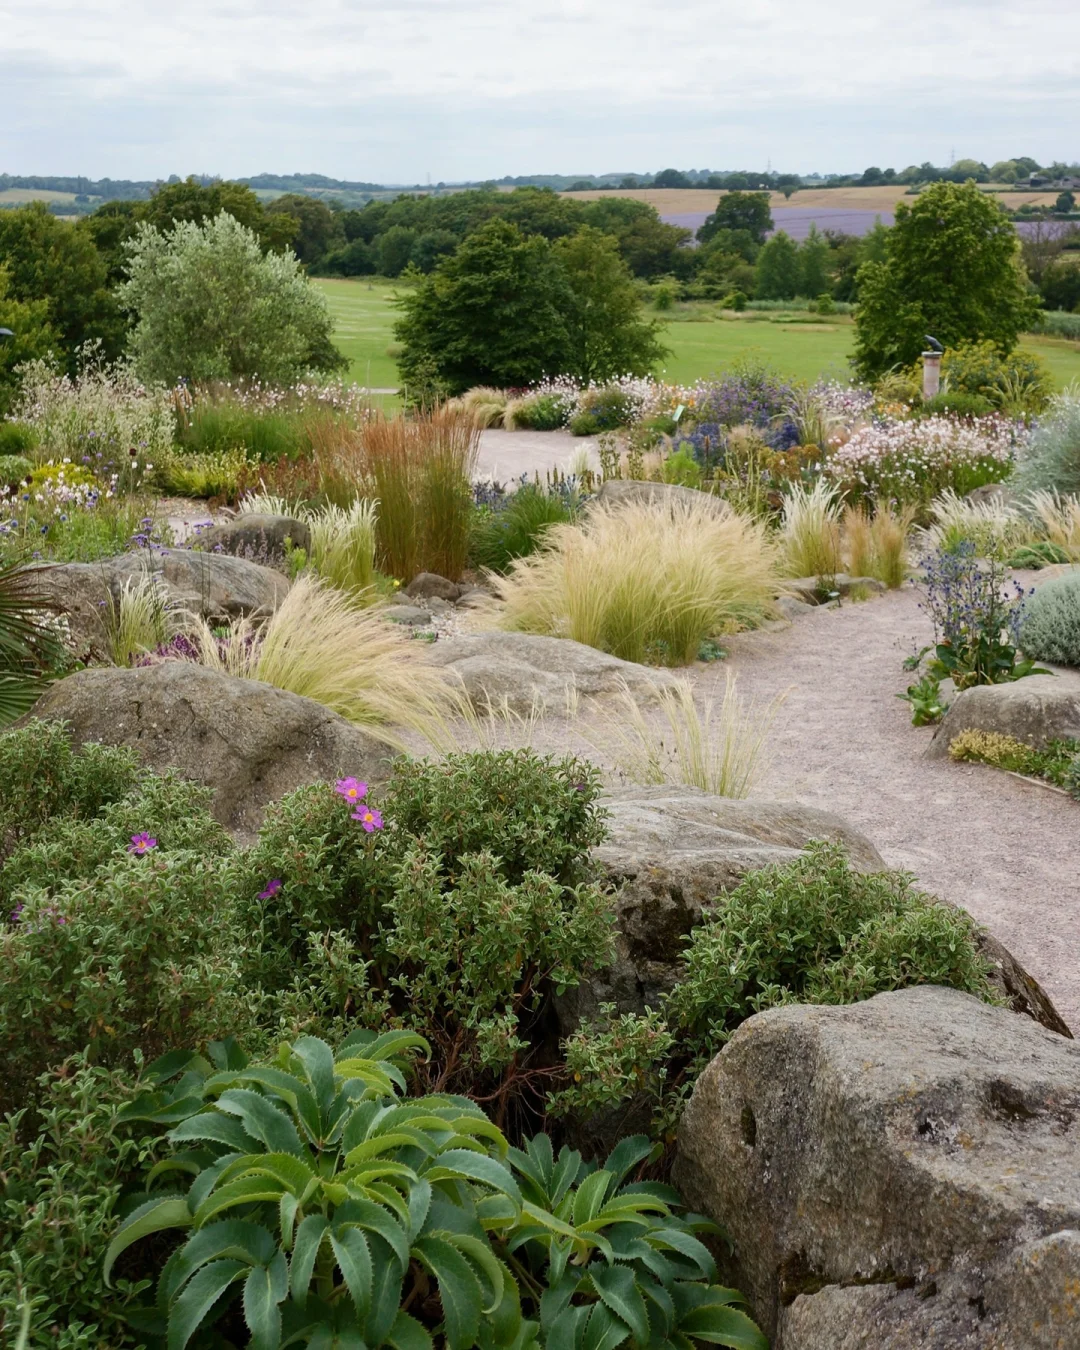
977, 618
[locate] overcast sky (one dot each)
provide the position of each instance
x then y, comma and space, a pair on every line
469, 89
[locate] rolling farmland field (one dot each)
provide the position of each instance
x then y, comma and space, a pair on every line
700, 342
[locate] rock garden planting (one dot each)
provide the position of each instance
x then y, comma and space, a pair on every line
428, 915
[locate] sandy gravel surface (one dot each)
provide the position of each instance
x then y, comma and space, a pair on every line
506, 455
1008, 851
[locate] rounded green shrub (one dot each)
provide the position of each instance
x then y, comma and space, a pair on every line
17, 438
1051, 630
14, 469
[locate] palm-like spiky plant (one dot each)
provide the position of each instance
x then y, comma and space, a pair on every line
29, 648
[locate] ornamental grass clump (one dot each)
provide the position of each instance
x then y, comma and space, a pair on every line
421, 470
319, 644
810, 531
993, 528
645, 582
716, 746
1052, 458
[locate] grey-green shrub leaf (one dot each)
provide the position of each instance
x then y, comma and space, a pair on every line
354, 1260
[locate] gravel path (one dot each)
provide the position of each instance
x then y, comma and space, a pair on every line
1006, 850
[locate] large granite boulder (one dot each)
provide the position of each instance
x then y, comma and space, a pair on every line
671, 851
525, 672
1034, 710
248, 741
901, 1172
255, 537
215, 585
631, 492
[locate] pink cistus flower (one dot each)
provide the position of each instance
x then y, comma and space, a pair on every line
272, 888
368, 817
141, 844
350, 789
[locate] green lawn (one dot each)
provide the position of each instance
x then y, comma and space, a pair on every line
700, 344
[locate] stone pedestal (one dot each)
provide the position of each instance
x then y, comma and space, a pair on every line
931, 374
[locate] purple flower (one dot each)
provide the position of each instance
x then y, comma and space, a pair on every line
368, 817
141, 844
272, 888
351, 789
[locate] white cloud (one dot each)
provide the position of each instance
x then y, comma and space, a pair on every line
393, 90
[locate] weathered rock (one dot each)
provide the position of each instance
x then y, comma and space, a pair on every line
672, 850
809, 589
524, 671
921, 1141
792, 608
1035, 710
1031, 1302
214, 585
82, 592
624, 492
410, 615
258, 538
998, 493
430, 585
247, 740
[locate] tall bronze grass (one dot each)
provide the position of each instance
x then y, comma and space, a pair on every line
421, 470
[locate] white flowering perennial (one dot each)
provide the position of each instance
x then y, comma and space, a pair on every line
913, 459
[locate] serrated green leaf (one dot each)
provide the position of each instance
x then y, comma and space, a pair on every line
309, 1237
261, 1307
590, 1196
318, 1061
387, 1278
626, 1155
481, 1255
200, 1296
262, 1120
459, 1162
567, 1331
459, 1290
617, 1287
245, 1191
229, 1239
367, 1214
687, 1245
604, 1331
157, 1214
218, 1128
723, 1325
408, 1334
354, 1261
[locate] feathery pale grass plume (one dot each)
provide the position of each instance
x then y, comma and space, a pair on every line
993, 527
810, 531
139, 620
318, 644
644, 581
1060, 517
717, 746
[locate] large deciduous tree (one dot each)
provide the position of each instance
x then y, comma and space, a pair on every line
32, 337
608, 335
739, 211
208, 304
47, 259
951, 269
495, 312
